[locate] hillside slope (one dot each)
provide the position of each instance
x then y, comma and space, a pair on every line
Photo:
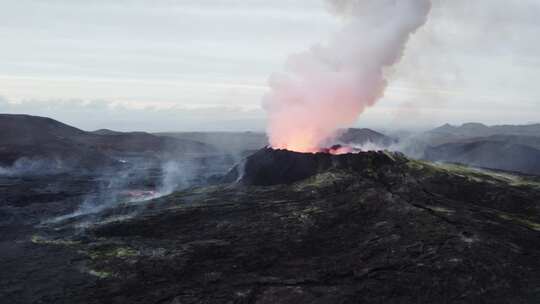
449, 133
365, 136
398, 231
46, 140
26, 140
493, 154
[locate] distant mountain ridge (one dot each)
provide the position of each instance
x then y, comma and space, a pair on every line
478, 129
106, 132
364, 136
235, 142
502, 147
45, 139
489, 154
252, 141
25, 138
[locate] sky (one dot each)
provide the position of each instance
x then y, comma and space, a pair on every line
179, 65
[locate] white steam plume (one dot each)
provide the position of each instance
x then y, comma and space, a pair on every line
327, 87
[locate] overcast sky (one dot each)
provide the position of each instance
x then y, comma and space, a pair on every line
204, 64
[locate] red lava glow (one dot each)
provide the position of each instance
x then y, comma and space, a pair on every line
138, 195
334, 150
301, 148
339, 150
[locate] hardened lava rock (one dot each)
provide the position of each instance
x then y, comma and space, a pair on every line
273, 167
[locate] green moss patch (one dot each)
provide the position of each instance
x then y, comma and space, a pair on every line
519, 220
112, 252
37, 239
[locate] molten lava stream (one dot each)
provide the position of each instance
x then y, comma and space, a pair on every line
334, 150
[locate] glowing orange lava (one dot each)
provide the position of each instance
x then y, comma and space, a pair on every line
302, 147
298, 147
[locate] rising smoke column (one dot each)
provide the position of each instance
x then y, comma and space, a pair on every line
327, 87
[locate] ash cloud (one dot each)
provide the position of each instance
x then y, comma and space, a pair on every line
331, 84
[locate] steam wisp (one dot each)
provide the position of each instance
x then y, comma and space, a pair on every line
328, 86
34, 166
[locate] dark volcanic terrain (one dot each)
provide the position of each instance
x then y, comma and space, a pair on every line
373, 227
35, 144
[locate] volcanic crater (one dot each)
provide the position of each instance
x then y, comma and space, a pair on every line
270, 166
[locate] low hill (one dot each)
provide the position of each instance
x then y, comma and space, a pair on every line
504, 147
43, 144
141, 142
489, 154
449, 133
27, 130
365, 136
106, 132
234, 142
524, 140
49, 141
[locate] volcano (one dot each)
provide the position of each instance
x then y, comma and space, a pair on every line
270, 166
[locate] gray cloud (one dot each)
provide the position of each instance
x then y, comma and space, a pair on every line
97, 114
474, 60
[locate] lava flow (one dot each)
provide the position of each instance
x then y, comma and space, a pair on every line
334, 150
